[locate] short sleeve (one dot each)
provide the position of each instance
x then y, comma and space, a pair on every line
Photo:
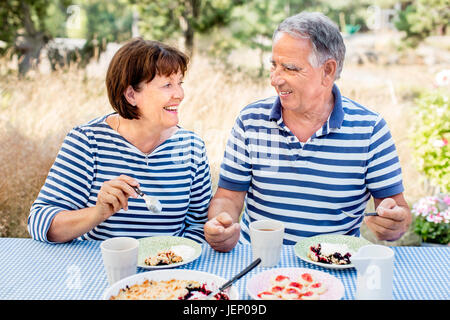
235, 170
384, 174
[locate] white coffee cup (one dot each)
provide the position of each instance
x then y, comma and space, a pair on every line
374, 265
266, 238
120, 256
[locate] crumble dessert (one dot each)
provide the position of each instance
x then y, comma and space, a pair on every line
284, 288
168, 290
164, 257
175, 254
330, 253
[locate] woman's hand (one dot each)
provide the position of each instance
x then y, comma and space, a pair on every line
113, 196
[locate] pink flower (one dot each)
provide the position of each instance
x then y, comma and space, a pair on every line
447, 200
429, 208
442, 79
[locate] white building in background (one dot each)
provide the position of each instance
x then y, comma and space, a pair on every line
382, 19
61, 46
64, 45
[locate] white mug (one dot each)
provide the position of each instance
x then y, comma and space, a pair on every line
120, 256
374, 265
266, 238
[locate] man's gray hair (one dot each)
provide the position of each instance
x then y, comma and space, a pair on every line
326, 40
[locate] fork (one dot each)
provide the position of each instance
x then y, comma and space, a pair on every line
233, 280
366, 214
152, 203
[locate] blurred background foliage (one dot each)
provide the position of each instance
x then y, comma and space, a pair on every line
422, 18
430, 137
28, 25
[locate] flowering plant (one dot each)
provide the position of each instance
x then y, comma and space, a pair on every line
430, 137
432, 218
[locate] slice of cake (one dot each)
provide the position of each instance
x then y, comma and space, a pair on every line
330, 253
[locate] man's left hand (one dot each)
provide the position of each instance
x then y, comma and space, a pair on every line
392, 222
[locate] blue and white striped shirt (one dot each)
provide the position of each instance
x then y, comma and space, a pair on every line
176, 172
307, 185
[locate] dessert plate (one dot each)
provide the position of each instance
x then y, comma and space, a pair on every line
152, 245
212, 280
261, 281
353, 243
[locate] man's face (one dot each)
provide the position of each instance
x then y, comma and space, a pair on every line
297, 82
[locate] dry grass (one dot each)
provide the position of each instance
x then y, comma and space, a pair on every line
35, 115
37, 112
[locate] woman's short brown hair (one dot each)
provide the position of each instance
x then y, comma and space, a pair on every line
136, 61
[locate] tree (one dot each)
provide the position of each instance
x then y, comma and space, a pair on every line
422, 18
24, 29
105, 21
163, 19
253, 25
30, 24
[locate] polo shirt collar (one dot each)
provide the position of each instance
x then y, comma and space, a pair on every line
336, 117
275, 112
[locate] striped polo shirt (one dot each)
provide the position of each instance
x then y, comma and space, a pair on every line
176, 172
308, 185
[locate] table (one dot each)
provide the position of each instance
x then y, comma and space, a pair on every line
33, 270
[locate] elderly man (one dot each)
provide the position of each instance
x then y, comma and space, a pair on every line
308, 154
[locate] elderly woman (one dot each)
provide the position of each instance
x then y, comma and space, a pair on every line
89, 191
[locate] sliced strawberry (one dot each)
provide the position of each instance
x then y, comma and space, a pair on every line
307, 277
281, 278
296, 285
277, 289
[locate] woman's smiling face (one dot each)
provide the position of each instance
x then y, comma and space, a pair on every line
158, 100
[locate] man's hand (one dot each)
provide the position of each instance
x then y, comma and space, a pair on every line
221, 232
393, 220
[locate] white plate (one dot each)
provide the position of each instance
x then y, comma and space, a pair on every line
353, 243
160, 275
262, 281
152, 245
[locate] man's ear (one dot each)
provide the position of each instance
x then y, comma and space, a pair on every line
329, 72
129, 94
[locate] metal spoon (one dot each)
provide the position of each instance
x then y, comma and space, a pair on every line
152, 203
366, 214
234, 279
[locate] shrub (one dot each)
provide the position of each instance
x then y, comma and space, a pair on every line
430, 137
423, 18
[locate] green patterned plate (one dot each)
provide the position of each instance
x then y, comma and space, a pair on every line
353, 243
152, 245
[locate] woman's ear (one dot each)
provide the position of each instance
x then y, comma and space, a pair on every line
130, 95
329, 72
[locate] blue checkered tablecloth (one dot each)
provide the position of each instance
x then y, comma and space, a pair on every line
34, 270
